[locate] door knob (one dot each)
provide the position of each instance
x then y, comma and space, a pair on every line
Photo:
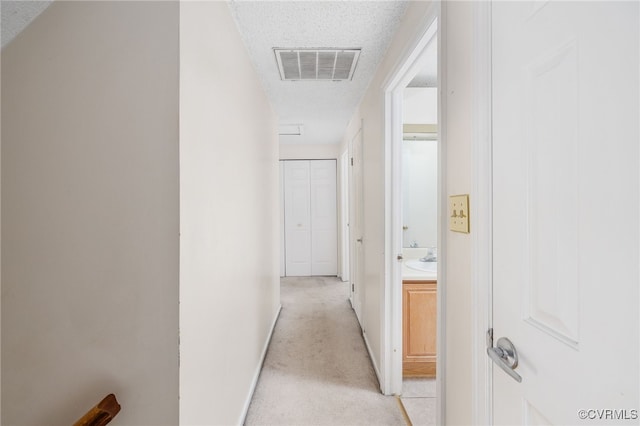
505, 355
359, 240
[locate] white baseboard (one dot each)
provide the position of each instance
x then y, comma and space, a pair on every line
256, 375
372, 358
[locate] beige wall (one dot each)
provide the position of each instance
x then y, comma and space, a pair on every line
229, 218
90, 214
457, 25
309, 151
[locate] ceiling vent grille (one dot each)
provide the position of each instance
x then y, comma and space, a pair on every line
316, 64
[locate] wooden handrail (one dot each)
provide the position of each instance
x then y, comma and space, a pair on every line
101, 414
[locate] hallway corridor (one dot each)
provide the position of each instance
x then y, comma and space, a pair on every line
317, 370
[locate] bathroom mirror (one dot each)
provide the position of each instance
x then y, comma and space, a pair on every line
420, 164
420, 190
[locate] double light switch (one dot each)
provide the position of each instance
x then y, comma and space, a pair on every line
459, 213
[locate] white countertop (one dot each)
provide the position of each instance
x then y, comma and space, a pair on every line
412, 274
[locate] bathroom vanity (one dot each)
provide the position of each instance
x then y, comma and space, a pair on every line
419, 319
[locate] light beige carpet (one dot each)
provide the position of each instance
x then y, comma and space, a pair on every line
317, 370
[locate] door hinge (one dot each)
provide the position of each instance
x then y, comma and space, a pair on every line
490, 338
353, 287
352, 161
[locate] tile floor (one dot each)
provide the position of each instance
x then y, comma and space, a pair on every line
419, 400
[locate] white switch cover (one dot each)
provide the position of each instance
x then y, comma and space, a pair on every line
459, 213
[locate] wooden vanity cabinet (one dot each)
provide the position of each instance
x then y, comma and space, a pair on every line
419, 316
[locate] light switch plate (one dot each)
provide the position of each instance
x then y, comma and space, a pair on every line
459, 213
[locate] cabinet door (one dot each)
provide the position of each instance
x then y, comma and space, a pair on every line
419, 329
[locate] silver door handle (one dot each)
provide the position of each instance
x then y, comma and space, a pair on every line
359, 240
505, 355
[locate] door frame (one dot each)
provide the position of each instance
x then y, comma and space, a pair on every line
403, 72
481, 238
283, 253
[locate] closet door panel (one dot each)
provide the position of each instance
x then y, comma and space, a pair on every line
324, 258
297, 216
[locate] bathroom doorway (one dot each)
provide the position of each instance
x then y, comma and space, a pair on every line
419, 272
414, 147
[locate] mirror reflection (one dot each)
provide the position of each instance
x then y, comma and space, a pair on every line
420, 168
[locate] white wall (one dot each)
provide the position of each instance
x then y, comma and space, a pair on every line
229, 221
309, 151
420, 105
457, 24
90, 214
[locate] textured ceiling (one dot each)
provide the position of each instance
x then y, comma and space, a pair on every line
323, 107
16, 15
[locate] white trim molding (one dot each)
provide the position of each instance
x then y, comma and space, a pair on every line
482, 249
376, 369
441, 341
256, 374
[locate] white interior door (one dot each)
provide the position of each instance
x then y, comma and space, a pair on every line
297, 212
356, 223
344, 215
566, 194
324, 235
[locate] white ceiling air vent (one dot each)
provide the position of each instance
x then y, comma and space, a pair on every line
291, 129
316, 64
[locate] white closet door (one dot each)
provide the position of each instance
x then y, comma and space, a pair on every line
297, 216
324, 241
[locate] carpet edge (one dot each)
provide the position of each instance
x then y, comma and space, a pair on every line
256, 375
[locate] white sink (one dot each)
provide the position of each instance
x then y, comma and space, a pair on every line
422, 266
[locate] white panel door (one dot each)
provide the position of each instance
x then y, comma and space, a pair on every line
324, 228
356, 223
297, 212
566, 194
344, 216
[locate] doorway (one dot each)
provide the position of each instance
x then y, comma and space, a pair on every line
413, 342
419, 205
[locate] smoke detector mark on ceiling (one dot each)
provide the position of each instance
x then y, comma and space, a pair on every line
316, 64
